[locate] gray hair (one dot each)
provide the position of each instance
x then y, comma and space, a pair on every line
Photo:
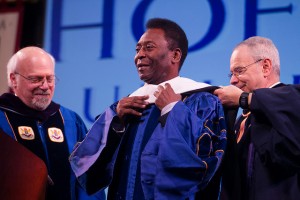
11, 67
261, 47
18, 57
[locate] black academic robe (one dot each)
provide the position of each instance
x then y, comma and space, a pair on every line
265, 164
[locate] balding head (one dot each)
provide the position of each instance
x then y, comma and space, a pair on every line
31, 77
25, 56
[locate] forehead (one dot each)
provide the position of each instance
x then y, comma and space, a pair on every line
240, 56
153, 35
39, 64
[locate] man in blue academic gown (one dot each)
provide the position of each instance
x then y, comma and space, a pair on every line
164, 141
46, 128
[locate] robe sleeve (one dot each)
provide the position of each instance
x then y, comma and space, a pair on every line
187, 150
92, 161
275, 130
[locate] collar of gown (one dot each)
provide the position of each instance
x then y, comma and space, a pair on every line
179, 84
10, 102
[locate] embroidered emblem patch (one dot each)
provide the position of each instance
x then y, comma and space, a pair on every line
55, 135
26, 132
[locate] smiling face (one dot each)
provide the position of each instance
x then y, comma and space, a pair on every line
154, 60
254, 76
33, 63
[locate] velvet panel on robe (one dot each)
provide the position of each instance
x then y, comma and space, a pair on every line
183, 154
14, 113
179, 159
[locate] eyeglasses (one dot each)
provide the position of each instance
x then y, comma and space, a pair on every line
237, 71
51, 79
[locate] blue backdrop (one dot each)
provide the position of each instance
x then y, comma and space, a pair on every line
93, 42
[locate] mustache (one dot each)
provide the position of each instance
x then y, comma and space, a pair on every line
41, 92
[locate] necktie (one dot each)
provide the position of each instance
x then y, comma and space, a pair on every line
245, 116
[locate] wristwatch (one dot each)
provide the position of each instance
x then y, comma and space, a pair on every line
243, 101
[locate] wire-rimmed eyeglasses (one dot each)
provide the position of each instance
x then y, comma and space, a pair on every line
239, 70
51, 79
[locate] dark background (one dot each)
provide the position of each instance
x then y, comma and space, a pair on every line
33, 19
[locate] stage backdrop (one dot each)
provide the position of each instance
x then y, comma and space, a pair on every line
93, 42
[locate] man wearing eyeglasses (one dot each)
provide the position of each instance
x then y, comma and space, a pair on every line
164, 141
46, 128
262, 159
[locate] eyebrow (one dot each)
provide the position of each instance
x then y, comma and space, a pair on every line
146, 42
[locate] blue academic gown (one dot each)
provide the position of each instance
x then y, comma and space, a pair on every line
158, 157
14, 115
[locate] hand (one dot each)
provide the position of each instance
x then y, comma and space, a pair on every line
165, 95
229, 95
131, 106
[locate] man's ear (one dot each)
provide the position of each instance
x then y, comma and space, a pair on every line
176, 55
13, 80
267, 67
